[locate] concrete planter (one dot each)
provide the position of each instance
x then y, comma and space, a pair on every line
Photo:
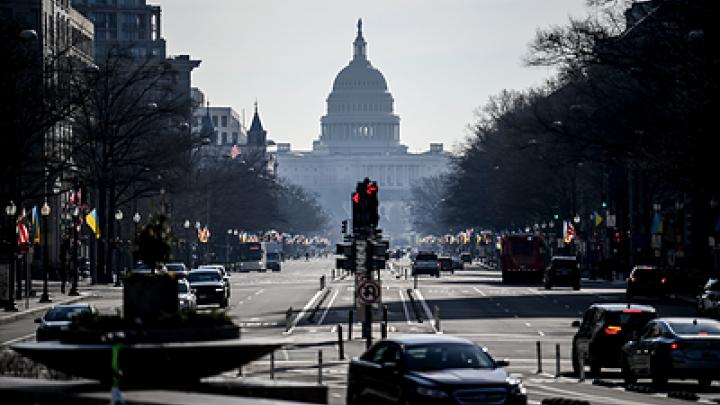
148, 296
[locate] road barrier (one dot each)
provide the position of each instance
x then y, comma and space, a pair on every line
557, 360
539, 356
322, 282
288, 318
415, 282
272, 365
436, 317
332, 272
341, 344
320, 368
405, 270
350, 325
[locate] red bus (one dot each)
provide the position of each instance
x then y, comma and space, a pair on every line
522, 258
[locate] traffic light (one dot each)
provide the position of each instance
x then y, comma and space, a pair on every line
347, 261
365, 207
378, 254
603, 200
344, 226
617, 236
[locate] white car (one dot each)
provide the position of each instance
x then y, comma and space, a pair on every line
187, 300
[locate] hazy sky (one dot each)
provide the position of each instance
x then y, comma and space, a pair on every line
442, 58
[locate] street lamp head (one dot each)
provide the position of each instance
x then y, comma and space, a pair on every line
576, 219
11, 209
28, 35
137, 218
186, 224
235, 232
229, 232
119, 215
45, 210
197, 224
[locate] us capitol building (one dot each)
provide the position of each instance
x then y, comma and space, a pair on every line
360, 137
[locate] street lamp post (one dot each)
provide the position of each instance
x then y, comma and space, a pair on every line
118, 218
73, 289
186, 225
136, 220
227, 247
10, 211
45, 212
199, 254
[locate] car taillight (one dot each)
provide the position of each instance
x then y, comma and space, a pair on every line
632, 279
631, 311
613, 330
663, 280
674, 346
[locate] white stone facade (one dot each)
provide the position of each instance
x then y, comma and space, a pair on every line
360, 137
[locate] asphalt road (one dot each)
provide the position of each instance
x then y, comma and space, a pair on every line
508, 320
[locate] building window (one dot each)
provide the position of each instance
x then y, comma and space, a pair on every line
224, 137
223, 121
215, 120
235, 137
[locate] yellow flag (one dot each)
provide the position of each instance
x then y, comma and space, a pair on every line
92, 221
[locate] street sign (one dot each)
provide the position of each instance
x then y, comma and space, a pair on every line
360, 252
369, 292
611, 220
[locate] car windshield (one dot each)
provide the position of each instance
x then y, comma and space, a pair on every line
701, 328
64, 313
200, 276
645, 272
423, 257
564, 263
273, 256
521, 247
446, 356
182, 288
629, 319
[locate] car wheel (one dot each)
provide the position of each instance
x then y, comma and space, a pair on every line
224, 303
576, 286
658, 376
595, 368
704, 383
627, 373
575, 362
548, 286
352, 398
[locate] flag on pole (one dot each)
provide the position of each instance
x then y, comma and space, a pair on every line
35, 220
22, 232
657, 224
568, 232
234, 152
92, 221
598, 219
204, 235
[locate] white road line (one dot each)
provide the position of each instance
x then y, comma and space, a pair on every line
260, 291
541, 333
528, 324
405, 310
327, 308
427, 310
303, 312
575, 395
480, 291
18, 339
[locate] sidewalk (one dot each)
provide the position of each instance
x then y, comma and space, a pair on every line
31, 306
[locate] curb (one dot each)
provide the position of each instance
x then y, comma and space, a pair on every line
32, 311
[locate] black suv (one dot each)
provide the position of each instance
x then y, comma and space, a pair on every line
209, 286
605, 328
648, 281
564, 271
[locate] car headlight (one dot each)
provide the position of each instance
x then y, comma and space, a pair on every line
516, 386
430, 392
219, 289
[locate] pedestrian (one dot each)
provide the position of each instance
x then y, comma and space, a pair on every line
307, 256
116, 396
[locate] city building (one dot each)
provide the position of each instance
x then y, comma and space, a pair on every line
360, 137
62, 38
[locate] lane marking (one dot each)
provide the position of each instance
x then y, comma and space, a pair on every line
575, 394
303, 312
404, 306
17, 339
427, 310
528, 324
327, 308
480, 291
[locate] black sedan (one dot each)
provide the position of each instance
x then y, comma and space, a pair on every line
674, 348
58, 318
430, 369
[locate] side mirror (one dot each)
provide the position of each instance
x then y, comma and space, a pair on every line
38, 320
502, 363
575, 324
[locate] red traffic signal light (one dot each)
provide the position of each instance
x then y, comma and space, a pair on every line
356, 198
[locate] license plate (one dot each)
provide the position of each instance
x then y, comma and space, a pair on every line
202, 296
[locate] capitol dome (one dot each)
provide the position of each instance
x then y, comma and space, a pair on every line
360, 116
